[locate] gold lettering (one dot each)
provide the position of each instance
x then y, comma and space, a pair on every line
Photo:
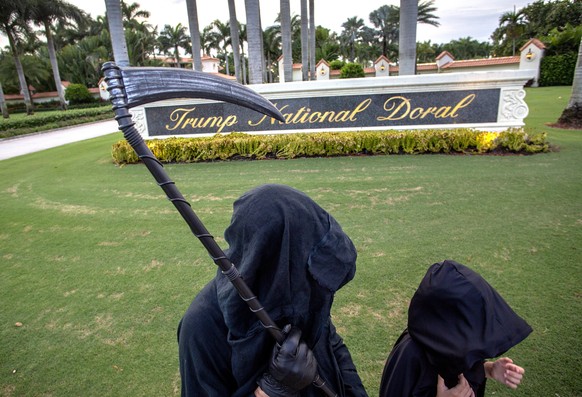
416, 113
181, 121
329, 116
316, 117
228, 122
442, 112
296, 117
394, 105
462, 104
399, 107
178, 117
359, 109
429, 110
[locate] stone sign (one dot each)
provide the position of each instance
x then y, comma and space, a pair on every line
350, 105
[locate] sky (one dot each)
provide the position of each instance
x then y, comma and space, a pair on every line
458, 18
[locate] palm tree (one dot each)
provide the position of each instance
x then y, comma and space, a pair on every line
304, 40
407, 37
222, 39
255, 38
312, 40
14, 18
45, 13
352, 31
385, 20
234, 38
115, 20
326, 45
285, 17
207, 39
572, 115
141, 44
513, 23
174, 38
192, 10
81, 62
131, 14
272, 42
243, 37
3, 103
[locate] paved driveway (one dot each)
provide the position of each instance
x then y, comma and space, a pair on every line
18, 146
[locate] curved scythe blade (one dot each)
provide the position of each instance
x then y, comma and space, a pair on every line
149, 84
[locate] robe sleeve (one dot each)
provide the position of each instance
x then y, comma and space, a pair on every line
351, 380
407, 373
204, 354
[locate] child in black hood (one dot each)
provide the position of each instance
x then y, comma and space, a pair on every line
294, 256
456, 320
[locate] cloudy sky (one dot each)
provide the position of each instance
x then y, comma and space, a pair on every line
474, 18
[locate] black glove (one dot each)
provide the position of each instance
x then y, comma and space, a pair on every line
292, 368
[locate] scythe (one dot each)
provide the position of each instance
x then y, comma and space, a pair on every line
133, 86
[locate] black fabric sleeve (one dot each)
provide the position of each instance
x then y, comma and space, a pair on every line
407, 372
351, 380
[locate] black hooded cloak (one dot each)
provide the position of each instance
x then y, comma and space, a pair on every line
456, 320
294, 256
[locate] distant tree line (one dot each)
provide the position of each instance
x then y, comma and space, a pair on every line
41, 31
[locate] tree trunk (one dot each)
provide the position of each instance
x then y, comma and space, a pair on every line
234, 38
21, 77
192, 11
3, 103
177, 56
286, 41
254, 39
55, 65
304, 41
263, 60
312, 40
226, 61
243, 64
572, 116
407, 38
115, 21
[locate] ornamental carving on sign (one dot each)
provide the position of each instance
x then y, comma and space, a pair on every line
138, 117
513, 106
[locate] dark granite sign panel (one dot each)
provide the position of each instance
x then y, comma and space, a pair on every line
318, 113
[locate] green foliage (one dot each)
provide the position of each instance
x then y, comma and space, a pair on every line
77, 94
558, 69
563, 41
352, 70
49, 120
336, 64
535, 20
329, 144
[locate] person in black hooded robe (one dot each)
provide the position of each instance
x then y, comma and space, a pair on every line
294, 256
456, 321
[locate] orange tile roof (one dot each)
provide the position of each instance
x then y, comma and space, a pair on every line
470, 63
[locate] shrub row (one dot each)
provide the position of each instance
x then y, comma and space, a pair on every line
285, 146
558, 69
22, 125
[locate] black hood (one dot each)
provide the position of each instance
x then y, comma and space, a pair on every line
292, 254
460, 320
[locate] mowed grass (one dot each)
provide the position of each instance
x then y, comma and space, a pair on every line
97, 267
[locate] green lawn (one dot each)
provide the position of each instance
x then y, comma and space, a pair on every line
98, 267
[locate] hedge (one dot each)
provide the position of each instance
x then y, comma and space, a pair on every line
237, 146
24, 125
558, 69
